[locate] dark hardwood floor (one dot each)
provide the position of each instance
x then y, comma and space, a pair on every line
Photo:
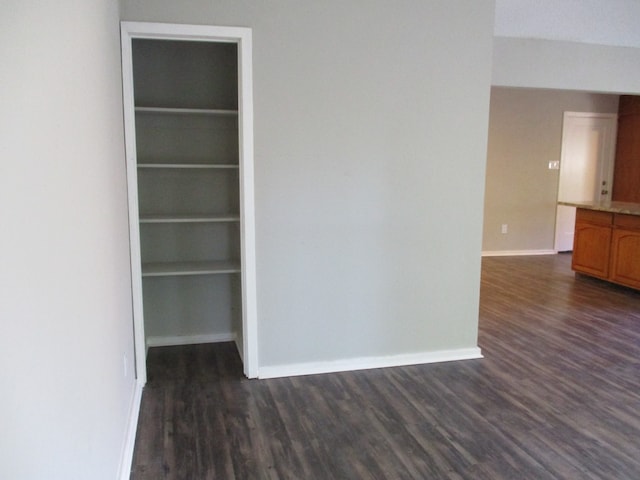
557, 396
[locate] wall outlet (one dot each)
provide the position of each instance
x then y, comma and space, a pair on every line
554, 165
505, 228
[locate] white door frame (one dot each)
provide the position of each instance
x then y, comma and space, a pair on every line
242, 37
606, 168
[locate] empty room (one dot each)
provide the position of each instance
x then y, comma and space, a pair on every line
302, 239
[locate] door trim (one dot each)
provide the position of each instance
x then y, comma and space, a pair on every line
242, 37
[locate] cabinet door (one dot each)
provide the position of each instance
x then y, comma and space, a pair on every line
625, 258
591, 247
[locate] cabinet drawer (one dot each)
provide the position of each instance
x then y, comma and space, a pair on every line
627, 221
594, 216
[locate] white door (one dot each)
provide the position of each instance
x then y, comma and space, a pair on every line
586, 167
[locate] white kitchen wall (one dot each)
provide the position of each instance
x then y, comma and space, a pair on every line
370, 144
65, 293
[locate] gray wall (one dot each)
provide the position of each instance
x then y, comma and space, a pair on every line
370, 141
525, 133
65, 290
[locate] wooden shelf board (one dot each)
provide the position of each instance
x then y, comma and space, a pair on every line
203, 218
186, 111
168, 269
190, 165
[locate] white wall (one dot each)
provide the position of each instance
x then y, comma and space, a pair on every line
370, 142
65, 300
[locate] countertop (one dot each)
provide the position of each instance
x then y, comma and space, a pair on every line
608, 206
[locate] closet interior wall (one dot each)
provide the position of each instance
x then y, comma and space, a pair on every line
186, 121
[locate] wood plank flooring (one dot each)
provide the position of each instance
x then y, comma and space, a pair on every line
557, 396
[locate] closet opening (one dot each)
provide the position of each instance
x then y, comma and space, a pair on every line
189, 148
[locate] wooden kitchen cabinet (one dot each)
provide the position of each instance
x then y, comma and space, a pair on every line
625, 251
607, 245
592, 243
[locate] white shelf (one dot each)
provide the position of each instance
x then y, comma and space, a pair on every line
170, 269
191, 218
190, 165
186, 111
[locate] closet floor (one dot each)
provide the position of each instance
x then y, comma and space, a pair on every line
557, 396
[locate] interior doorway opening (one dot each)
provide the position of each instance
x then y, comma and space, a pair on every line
189, 145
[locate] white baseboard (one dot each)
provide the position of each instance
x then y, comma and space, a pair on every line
365, 363
190, 339
130, 439
516, 253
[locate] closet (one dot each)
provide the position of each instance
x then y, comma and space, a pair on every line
189, 170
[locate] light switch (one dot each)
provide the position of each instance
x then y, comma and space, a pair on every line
554, 164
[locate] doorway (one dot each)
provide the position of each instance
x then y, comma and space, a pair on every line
189, 151
586, 168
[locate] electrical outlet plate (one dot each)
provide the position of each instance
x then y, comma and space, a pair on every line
554, 165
